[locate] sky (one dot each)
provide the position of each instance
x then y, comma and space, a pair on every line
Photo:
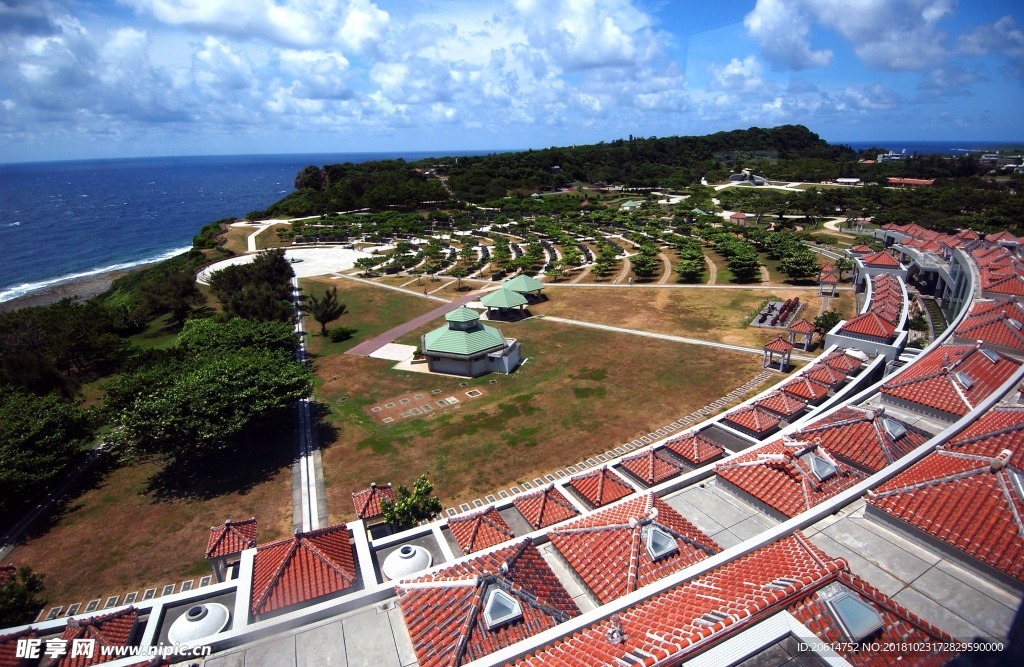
126, 78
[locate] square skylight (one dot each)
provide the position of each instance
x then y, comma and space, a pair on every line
964, 379
659, 543
1017, 482
893, 429
821, 468
1015, 323
990, 355
501, 609
857, 619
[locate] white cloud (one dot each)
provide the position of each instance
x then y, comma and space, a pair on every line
316, 74
885, 35
873, 97
740, 75
219, 71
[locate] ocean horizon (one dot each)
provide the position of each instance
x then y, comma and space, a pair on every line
68, 220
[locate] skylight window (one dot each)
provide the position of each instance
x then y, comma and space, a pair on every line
857, 619
1017, 482
501, 609
893, 429
1015, 323
964, 379
821, 468
991, 356
660, 544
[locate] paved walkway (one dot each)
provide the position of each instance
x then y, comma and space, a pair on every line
389, 336
309, 495
675, 339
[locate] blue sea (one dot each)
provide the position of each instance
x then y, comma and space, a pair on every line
65, 220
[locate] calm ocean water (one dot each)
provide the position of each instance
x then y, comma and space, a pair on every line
65, 220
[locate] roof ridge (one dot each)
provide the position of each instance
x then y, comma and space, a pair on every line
466, 629
988, 434
1010, 495
636, 543
277, 573
924, 484
316, 551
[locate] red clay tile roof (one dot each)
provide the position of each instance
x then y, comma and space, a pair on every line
479, 530
917, 231
899, 626
861, 249
301, 568
802, 326
805, 389
230, 538
881, 258
841, 361
113, 629
825, 374
694, 448
1001, 236
698, 613
782, 404
1001, 329
608, 548
600, 487
9, 647
828, 278
444, 611
651, 466
779, 475
965, 495
936, 380
752, 418
869, 324
859, 437
968, 235
1002, 284
778, 345
545, 507
367, 501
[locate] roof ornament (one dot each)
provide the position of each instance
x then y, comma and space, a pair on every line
999, 462
615, 634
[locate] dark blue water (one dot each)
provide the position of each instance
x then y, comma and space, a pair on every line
932, 147
64, 220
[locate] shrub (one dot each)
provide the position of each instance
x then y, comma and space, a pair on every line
339, 334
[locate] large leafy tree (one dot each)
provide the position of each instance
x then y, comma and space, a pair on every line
210, 336
256, 291
827, 321
325, 309
800, 265
40, 437
173, 292
21, 596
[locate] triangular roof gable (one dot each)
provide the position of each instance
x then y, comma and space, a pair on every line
753, 418
301, 568
650, 466
367, 502
694, 448
802, 326
523, 283
231, 538
479, 530
114, 629
545, 507
880, 258
608, 548
600, 487
859, 437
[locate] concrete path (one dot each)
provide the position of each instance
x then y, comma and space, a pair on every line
389, 336
667, 273
712, 270
309, 495
676, 339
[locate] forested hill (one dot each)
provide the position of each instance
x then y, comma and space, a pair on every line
633, 162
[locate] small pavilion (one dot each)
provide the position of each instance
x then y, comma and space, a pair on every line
226, 544
739, 218
468, 348
503, 300
801, 328
779, 347
524, 285
827, 281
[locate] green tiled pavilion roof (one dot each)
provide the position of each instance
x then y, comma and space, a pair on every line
462, 314
523, 283
503, 298
469, 342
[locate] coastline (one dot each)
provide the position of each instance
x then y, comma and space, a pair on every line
85, 287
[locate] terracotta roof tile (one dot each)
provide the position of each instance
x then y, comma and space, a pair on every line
301, 568
444, 611
882, 259
841, 361
600, 487
686, 619
940, 379
114, 629
651, 466
545, 507
230, 538
1001, 236
694, 448
367, 501
871, 325
1000, 329
609, 548
9, 647
479, 530
782, 404
959, 496
859, 437
752, 418
802, 326
805, 389
861, 248
825, 374
899, 626
778, 345
779, 474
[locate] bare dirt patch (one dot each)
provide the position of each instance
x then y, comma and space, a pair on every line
421, 403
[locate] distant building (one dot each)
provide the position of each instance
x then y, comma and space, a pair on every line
466, 347
892, 157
